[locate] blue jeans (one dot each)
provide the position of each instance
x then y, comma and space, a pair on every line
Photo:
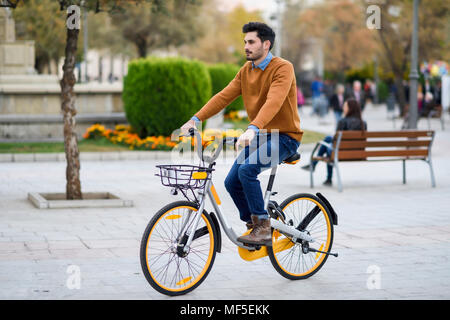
323, 150
242, 183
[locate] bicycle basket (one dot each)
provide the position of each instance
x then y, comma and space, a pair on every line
184, 176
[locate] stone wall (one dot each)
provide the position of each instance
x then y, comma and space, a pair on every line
30, 107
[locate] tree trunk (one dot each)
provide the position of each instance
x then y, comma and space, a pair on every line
73, 185
40, 64
141, 45
142, 51
397, 70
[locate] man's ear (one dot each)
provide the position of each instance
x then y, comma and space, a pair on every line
267, 44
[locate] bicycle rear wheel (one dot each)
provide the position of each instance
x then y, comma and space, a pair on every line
307, 213
167, 268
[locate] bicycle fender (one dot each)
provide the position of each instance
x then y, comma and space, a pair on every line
329, 207
218, 232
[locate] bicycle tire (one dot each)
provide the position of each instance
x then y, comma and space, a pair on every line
201, 262
280, 243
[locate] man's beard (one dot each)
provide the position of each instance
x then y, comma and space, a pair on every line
255, 55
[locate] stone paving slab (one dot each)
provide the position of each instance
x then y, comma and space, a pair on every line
400, 233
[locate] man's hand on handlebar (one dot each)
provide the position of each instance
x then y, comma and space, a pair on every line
246, 138
190, 129
188, 125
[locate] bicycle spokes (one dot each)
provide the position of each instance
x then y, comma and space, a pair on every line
170, 267
292, 257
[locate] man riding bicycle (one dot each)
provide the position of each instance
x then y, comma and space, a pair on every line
269, 91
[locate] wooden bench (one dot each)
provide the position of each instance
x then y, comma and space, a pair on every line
377, 146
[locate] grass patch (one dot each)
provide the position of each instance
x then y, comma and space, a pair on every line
312, 136
101, 145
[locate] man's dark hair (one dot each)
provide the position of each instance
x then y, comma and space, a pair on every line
263, 31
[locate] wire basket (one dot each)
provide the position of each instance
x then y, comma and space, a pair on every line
184, 177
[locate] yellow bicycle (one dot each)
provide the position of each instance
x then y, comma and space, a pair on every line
180, 242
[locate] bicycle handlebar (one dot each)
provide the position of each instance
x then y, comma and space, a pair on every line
209, 159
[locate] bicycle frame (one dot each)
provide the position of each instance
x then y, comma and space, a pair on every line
215, 201
207, 192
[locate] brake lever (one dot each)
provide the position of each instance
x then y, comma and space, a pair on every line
230, 141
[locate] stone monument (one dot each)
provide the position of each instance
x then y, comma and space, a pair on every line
16, 57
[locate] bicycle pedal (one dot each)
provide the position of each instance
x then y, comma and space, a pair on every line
255, 247
258, 246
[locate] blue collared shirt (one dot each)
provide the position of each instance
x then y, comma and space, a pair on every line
263, 65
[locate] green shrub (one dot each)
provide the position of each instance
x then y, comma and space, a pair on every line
161, 94
221, 75
382, 91
361, 74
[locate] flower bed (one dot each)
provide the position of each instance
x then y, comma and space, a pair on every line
124, 135
236, 115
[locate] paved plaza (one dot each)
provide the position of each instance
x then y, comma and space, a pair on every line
393, 239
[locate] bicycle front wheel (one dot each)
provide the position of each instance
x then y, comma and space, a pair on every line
307, 213
167, 268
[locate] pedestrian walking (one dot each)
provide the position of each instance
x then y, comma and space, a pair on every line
337, 102
358, 94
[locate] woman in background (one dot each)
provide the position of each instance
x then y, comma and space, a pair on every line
352, 120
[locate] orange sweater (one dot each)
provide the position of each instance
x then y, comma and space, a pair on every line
270, 97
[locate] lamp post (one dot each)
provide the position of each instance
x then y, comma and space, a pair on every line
85, 45
413, 74
279, 28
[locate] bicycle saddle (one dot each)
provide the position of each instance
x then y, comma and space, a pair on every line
292, 159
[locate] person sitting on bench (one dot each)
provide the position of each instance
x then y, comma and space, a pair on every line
352, 120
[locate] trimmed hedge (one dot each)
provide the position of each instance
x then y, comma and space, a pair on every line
161, 94
221, 75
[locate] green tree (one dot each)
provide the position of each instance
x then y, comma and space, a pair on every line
223, 40
41, 20
71, 10
104, 35
293, 29
235, 21
150, 29
340, 26
395, 36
